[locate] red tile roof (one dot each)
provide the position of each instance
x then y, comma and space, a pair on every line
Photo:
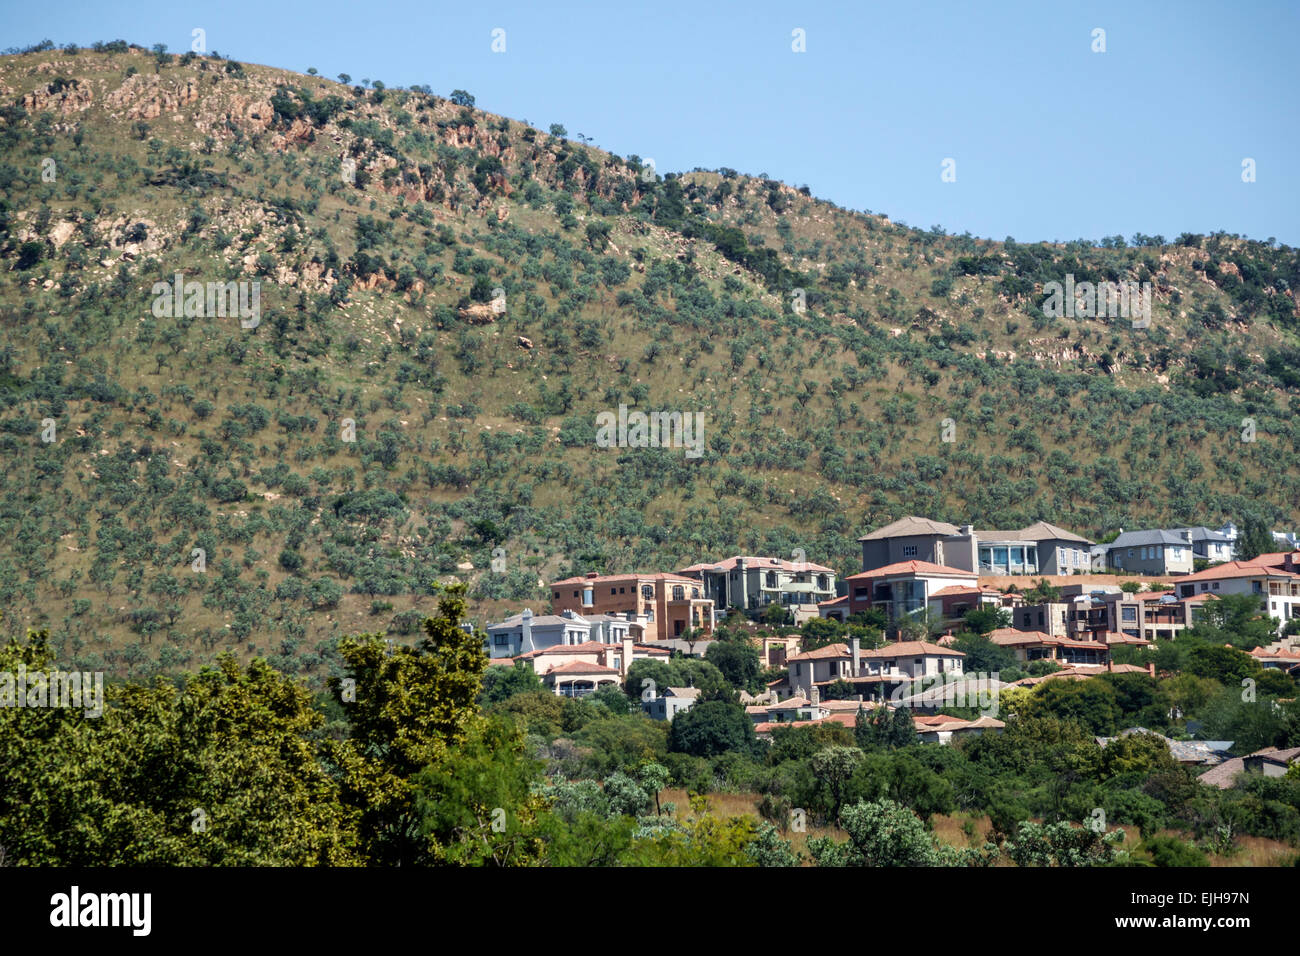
581, 667
912, 567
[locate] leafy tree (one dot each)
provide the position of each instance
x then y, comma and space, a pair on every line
500, 683
982, 620
711, 727
769, 849
884, 833
1255, 538
1064, 844
737, 660
461, 98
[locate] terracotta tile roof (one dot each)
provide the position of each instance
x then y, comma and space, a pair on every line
581, 667
842, 599
607, 578
913, 649
586, 647
827, 653
756, 563
912, 567
1238, 569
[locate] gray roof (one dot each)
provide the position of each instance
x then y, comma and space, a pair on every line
1202, 533
1133, 539
540, 620
912, 527
1038, 531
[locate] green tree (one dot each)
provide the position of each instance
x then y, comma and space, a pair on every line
711, 727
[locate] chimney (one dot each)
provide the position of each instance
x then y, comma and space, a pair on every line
856, 651
816, 695
968, 529
627, 654
1151, 668
526, 631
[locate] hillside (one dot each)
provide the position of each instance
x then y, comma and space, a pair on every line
379, 223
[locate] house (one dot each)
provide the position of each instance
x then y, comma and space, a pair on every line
1210, 545
955, 601
792, 710
1269, 762
876, 673
1275, 578
578, 670
671, 702
941, 728
1277, 657
1155, 552
525, 632
905, 589
752, 583
1187, 752
1037, 646
1040, 548
657, 606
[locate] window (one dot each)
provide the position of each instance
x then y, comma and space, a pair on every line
1215, 585
502, 640
679, 593
1040, 617
1129, 614
556, 594
647, 592
613, 590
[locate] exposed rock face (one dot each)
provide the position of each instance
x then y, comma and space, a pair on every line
478, 313
70, 97
145, 96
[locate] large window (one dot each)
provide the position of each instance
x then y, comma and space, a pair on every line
679, 593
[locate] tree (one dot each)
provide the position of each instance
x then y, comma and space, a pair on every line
1043, 592
410, 708
1255, 538
984, 620
477, 805
737, 660
769, 849
500, 683
461, 98
833, 767
345, 79
1064, 844
711, 727
558, 129
983, 656
884, 833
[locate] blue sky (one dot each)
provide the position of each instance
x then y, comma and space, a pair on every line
1050, 140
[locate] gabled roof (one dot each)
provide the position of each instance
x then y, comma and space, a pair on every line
586, 647
912, 567
756, 564
540, 620
606, 578
829, 652
581, 667
912, 649
1038, 531
912, 527
1238, 569
1133, 539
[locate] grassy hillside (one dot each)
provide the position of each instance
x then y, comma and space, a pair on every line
379, 223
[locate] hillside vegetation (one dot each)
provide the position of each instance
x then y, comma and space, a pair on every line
381, 223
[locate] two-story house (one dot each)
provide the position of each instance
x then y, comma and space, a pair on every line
747, 583
660, 606
1156, 552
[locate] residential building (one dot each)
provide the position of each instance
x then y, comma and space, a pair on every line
1155, 552
1269, 762
1040, 548
1208, 544
878, 673
905, 589
524, 633
1275, 578
1036, 646
749, 584
660, 606
671, 702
